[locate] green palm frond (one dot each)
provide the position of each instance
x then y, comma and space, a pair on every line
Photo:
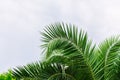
109, 51
64, 32
42, 71
65, 40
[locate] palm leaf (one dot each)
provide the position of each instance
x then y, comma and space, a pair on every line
42, 71
109, 51
68, 42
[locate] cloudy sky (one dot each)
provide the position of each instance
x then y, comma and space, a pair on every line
22, 20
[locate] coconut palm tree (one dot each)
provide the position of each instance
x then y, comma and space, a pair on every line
69, 55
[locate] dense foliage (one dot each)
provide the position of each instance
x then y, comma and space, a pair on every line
70, 55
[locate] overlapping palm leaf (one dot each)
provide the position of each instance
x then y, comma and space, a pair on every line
69, 55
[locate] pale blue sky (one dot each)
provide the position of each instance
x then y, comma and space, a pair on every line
21, 21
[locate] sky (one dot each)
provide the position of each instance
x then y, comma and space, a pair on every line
21, 22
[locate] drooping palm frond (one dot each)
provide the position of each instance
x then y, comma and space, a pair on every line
65, 40
109, 58
42, 71
64, 32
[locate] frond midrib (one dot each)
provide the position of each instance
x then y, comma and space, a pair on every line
80, 51
106, 56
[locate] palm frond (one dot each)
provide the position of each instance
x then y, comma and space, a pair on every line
109, 51
42, 71
68, 42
